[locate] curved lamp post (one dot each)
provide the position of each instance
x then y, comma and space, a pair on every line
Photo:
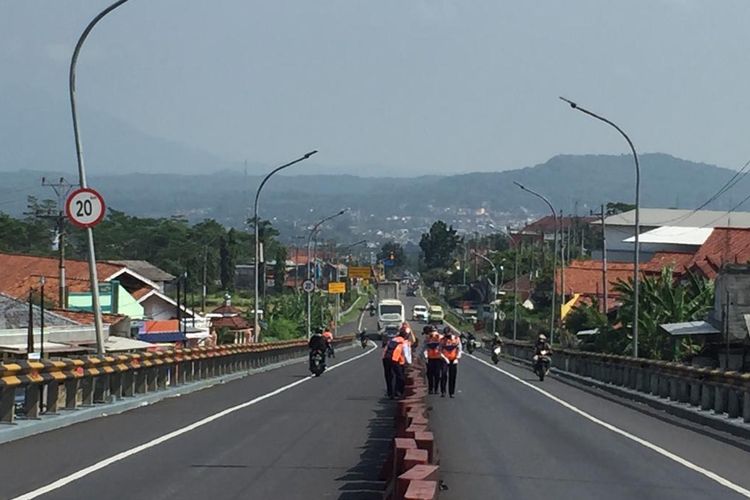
636, 254
95, 302
494, 298
257, 236
314, 230
554, 260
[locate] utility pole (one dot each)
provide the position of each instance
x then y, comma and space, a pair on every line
604, 263
62, 189
203, 288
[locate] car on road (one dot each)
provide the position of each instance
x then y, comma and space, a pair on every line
436, 315
419, 313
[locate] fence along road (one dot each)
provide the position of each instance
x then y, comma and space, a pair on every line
502, 438
278, 434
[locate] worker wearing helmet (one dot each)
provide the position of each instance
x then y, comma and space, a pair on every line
450, 352
396, 355
435, 362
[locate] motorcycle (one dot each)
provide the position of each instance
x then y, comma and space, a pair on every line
496, 351
317, 362
542, 363
468, 342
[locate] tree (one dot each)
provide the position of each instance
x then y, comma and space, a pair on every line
439, 245
617, 207
663, 301
279, 269
227, 260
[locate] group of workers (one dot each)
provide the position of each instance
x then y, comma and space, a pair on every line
442, 353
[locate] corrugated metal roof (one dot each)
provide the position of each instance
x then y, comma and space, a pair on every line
689, 328
680, 218
674, 235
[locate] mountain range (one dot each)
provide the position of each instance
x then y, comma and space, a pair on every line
574, 183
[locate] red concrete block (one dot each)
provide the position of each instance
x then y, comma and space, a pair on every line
399, 451
415, 457
412, 429
426, 441
416, 473
417, 419
421, 490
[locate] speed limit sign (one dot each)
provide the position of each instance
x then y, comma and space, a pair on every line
308, 286
85, 207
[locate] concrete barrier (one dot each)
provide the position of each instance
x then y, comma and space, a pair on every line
722, 393
50, 386
413, 471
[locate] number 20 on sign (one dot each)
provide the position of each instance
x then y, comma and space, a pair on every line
85, 208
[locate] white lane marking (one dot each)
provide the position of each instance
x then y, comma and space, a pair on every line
166, 437
690, 465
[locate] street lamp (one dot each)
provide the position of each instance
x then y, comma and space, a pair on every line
95, 302
314, 230
554, 259
257, 236
494, 298
636, 254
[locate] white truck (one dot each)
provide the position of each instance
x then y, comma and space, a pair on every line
388, 290
390, 317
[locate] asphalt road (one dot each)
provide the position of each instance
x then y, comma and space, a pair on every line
322, 438
327, 438
502, 439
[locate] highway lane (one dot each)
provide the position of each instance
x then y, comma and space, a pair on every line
516, 443
501, 439
322, 438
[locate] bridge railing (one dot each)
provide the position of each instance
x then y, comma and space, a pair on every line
723, 392
30, 388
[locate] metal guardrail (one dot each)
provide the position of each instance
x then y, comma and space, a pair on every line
32, 388
723, 392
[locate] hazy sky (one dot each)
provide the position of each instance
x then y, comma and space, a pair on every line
427, 85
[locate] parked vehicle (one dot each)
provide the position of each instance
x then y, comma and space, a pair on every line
436, 315
542, 363
420, 313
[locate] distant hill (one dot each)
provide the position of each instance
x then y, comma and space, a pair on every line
571, 182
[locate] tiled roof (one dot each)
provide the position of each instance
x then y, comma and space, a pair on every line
227, 310
145, 269
19, 273
678, 261
585, 277
231, 322
547, 224
724, 246
141, 292
87, 318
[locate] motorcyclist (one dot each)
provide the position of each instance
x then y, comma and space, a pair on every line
541, 345
329, 342
363, 337
317, 343
497, 341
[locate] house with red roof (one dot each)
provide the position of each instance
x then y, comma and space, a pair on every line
123, 290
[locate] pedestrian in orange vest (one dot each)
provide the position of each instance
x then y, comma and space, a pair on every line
435, 362
450, 352
396, 355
